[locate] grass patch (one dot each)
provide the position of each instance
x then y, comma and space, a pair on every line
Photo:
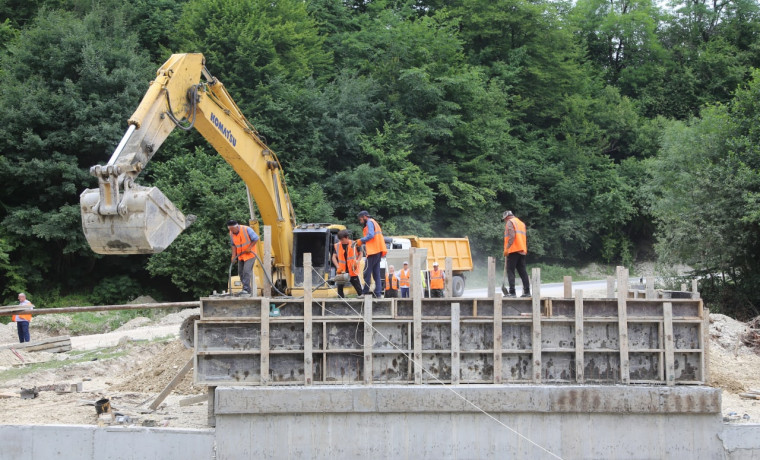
75, 357
99, 322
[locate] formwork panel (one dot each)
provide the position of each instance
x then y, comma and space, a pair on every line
436, 366
228, 337
645, 366
687, 309
516, 307
345, 336
344, 307
558, 367
289, 336
390, 336
404, 308
687, 367
599, 308
644, 336
344, 368
639, 308
286, 367
516, 336
230, 308
390, 368
476, 367
516, 367
240, 369
436, 336
686, 336
601, 367
563, 307
476, 336
294, 308
601, 336
557, 335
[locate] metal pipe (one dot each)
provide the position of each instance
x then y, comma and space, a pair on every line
121, 145
13, 309
250, 202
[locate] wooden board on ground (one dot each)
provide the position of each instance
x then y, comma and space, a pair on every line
52, 345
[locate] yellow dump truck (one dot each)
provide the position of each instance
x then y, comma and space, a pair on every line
437, 250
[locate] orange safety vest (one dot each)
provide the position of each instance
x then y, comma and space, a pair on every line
352, 267
404, 275
377, 243
520, 244
242, 241
23, 317
436, 279
391, 284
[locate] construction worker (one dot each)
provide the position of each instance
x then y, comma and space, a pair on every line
346, 259
375, 249
437, 281
515, 252
405, 280
243, 243
391, 283
22, 320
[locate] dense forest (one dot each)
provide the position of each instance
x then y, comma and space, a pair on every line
618, 130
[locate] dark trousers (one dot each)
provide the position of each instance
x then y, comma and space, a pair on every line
372, 270
355, 283
517, 260
436, 293
391, 293
23, 331
404, 292
245, 271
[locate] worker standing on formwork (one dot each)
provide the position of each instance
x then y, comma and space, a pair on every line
243, 241
405, 280
375, 249
515, 252
391, 283
437, 281
346, 260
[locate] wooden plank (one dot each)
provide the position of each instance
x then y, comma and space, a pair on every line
193, 400
497, 338
622, 294
567, 281
579, 336
308, 357
52, 342
368, 340
705, 342
455, 341
449, 266
211, 406
491, 277
266, 285
650, 287
610, 287
173, 384
417, 319
694, 291
536, 304
667, 311
264, 341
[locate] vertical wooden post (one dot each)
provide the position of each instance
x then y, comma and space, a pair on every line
449, 265
368, 340
667, 311
266, 285
694, 291
705, 345
491, 277
417, 317
622, 296
650, 286
536, 300
455, 341
264, 341
568, 285
579, 363
308, 357
610, 287
211, 406
497, 339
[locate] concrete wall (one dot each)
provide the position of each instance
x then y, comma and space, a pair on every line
741, 442
81, 442
585, 422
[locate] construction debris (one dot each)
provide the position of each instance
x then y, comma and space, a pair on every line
751, 337
29, 393
52, 345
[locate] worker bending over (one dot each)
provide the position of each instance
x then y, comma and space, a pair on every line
515, 251
243, 243
404, 280
375, 249
437, 281
22, 320
346, 259
391, 283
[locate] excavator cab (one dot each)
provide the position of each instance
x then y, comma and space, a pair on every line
318, 240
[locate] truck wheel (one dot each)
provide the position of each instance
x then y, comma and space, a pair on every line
457, 289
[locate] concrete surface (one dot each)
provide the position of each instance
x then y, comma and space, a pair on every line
741, 442
84, 442
588, 422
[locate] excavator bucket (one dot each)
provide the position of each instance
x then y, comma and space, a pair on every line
146, 222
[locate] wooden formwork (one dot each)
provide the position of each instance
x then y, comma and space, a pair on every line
454, 340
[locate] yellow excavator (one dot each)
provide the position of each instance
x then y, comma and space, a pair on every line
122, 217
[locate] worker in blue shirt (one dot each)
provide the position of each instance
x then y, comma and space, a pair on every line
374, 243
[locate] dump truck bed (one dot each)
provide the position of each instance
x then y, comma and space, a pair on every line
440, 248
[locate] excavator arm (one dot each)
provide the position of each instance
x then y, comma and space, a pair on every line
122, 217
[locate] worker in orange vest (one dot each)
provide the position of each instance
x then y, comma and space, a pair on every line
346, 257
375, 249
437, 281
515, 252
22, 320
243, 241
391, 283
405, 280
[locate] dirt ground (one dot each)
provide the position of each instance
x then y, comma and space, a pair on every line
134, 367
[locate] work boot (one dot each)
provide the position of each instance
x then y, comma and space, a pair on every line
511, 294
525, 294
